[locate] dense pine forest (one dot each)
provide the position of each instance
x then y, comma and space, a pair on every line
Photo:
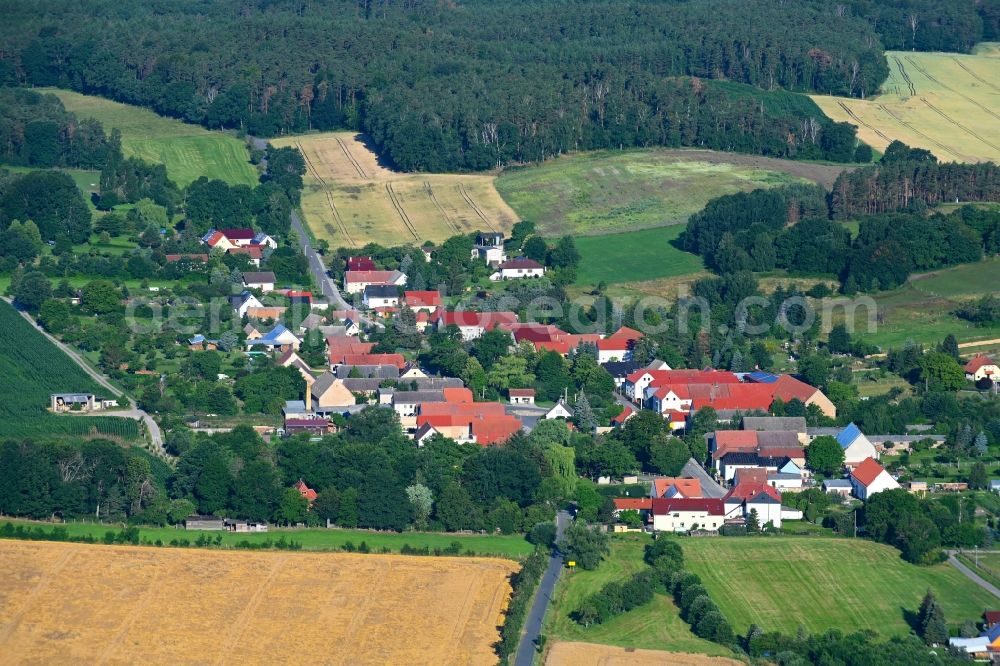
476, 84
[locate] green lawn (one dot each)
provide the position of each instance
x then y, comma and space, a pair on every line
633, 257
655, 626
825, 583
513, 546
188, 151
609, 191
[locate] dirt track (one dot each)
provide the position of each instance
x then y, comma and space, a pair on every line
589, 654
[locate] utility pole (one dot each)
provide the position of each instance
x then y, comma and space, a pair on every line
855, 523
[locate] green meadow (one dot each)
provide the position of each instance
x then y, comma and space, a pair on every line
633, 256
655, 626
317, 539
188, 151
823, 583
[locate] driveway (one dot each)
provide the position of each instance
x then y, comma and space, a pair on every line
533, 624
971, 575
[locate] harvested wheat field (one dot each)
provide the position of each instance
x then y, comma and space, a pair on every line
590, 654
350, 199
78, 603
948, 103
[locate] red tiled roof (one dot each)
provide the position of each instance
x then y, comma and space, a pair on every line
521, 262
416, 299
238, 234
662, 506
494, 429
684, 376
788, 388
485, 320
867, 471
633, 503
749, 489
214, 239
299, 294
686, 487
735, 438
625, 333
521, 393
305, 490
360, 264
374, 359
255, 251
623, 416
369, 277
751, 475
460, 409
991, 617
457, 395
978, 361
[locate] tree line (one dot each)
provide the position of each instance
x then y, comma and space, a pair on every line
797, 227
443, 87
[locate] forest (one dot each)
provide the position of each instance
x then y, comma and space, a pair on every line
798, 227
477, 84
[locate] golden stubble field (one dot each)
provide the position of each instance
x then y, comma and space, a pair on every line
948, 103
590, 654
76, 603
350, 199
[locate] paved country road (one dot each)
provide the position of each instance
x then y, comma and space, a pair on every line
154, 430
971, 575
533, 624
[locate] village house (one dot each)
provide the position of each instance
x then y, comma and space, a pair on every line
356, 281
278, 338
856, 446
749, 496
289, 359
263, 280
681, 514
644, 505
521, 396
623, 416
560, 410
839, 487
489, 248
314, 426
252, 332
473, 324
80, 402
244, 302
422, 301
308, 494
329, 393
796, 424
380, 296
869, 478
515, 269
617, 346
980, 367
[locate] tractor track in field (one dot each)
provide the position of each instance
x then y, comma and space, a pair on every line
394, 198
437, 204
857, 118
350, 158
949, 89
974, 75
898, 119
329, 196
958, 124
906, 77
474, 206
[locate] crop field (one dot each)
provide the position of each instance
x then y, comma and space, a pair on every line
350, 199
655, 626
605, 192
923, 309
32, 368
948, 103
188, 151
634, 256
77, 603
825, 583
